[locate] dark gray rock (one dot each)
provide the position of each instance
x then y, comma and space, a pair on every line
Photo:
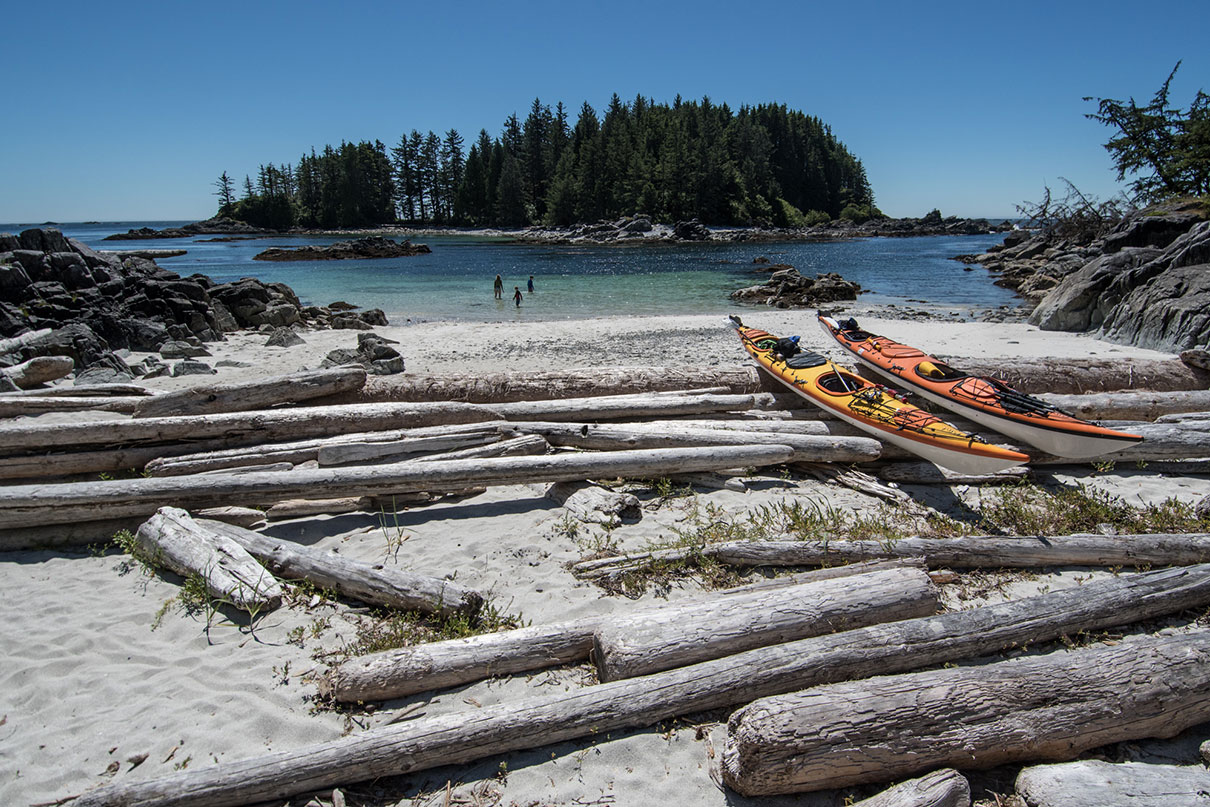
787, 288
284, 337
1081, 301
692, 230
182, 350
190, 367
99, 374
349, 322
1149, 231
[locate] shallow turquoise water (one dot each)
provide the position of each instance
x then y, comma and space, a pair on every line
454, 282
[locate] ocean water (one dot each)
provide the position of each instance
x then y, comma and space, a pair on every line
454, 282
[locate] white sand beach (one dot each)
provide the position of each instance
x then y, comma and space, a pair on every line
107, 678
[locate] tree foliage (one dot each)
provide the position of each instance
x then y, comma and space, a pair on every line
763, 165
1165, 149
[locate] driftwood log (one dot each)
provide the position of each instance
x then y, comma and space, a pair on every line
85, 390
926, 473
32, 505
1134, 405
9, 344
15, 406
436, 665
261, 394
685, 633
610, 437
370, 583
1050, 707
172, 540
39, 370
525, 445
544, 719
968, 552
1096, 783
943, 788
322, 421
593, 503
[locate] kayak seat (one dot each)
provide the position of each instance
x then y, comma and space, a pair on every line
938, 371
805, 360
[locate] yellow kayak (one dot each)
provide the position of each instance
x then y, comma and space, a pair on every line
873, 407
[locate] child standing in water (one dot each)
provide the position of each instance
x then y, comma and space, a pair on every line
499, 287
517, 295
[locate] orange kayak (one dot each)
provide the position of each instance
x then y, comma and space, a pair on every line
985, 401
873, 407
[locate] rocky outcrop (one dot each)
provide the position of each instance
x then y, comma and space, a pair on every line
373, 353
787, 288
219, 225
1145, 283
97, 303
364, 248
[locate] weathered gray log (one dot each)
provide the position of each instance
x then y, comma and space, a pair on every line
943, 788
593, 503
72, 463
260, 394
543, 719
41, 404
968, 552
322, 421
686, 633
1133, 405
170, 539
1096, 783
300, 508
86, 390
9, 344
1049, 707
810, 427
300, 451
437, 665
370, 583
525, 445
1182, 417
926, 473
533, 386
365, 453
712, 481
39, 370
30, 505
610, 437
239, 516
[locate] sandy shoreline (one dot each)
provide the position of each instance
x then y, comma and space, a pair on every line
100, 672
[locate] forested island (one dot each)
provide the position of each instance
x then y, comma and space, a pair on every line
763, 165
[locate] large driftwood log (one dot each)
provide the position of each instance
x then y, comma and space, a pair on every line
1096, 783
367, 453
1049, 707
1122, 405
9, 344
610, 437
436, 665
969, 552
543, 719
300, 451
943, 788
31, 505
171, 539
686, 633
39, 370
260, 394
595, 504
86, 390
370, 583
533, 386
41, 404
323, 421
525, 445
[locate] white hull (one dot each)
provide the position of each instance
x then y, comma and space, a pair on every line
1058, 443
937, 454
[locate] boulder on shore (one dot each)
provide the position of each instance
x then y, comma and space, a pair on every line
787, 288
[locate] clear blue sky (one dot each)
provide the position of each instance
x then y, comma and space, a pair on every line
123, 111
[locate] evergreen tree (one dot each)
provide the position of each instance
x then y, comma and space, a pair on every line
225, 194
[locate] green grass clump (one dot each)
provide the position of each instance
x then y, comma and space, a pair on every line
1030, 510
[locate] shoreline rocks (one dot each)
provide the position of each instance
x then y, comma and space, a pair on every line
1145, 283
787, 288
219, 225
95, 304
365, 248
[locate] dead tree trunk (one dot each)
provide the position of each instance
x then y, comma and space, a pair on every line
686, 633
1050, 707
544, 719
260, 394
170, 539
33, 505
373, 584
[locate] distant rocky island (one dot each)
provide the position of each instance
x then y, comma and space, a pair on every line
372, 247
